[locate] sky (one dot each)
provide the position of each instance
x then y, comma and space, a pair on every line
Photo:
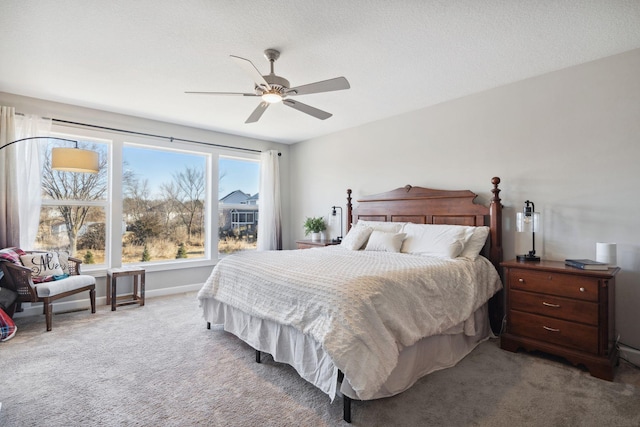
158, 167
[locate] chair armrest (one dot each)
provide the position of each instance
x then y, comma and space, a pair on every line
19, 279
74, 266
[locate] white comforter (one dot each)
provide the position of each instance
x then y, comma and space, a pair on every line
363, 307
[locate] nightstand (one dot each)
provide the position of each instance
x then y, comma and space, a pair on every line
562, 310
306, 244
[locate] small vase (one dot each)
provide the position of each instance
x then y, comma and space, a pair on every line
315, 237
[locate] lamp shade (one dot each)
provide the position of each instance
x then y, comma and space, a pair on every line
528, 221
74, 160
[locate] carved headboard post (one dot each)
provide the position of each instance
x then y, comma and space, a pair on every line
495, 212
349, 210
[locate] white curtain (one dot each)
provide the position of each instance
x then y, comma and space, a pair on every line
20, 190
29, 188
269, 209
9, 216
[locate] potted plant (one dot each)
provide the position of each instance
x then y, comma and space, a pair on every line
314, 226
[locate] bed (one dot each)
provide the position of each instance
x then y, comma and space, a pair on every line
413, 288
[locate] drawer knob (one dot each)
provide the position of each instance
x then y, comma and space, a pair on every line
521, 280
548, 304
582, 289
551, 329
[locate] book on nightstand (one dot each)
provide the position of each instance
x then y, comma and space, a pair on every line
586, 264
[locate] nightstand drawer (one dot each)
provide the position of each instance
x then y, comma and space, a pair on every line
564, 285
561, 332
559, 307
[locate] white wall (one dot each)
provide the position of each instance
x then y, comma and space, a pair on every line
159, 282
568, 140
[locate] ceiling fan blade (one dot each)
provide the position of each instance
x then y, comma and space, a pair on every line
252, 70
257, 113
312, 111
339, 83
223, 93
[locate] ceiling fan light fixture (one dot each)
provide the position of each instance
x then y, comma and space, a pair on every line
271, 97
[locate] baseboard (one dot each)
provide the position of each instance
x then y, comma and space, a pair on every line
85, 304
630, 354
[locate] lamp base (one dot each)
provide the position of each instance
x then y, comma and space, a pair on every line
528, 258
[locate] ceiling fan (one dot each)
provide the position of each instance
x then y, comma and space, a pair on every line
273, 89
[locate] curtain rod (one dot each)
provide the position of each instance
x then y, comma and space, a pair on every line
170, 138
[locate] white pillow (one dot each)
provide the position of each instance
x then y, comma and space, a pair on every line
384, 242
42, 264
356, 238
439, 240
475, 242
389, 227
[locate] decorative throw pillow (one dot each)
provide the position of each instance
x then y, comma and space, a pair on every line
44, 265
356, 237
475, 242
7, 328
63, 257
385, 242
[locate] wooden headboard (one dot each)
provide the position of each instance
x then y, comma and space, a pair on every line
428, 206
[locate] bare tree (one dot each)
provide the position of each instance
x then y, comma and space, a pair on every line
75, 188
137, 200
186, 193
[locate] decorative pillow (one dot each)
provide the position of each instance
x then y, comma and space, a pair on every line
356, 237
7, 328
44, 266
389, 227
63, 257
384, 242
475, 242
439, 240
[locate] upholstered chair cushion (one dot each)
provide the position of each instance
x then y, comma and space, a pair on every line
71, 283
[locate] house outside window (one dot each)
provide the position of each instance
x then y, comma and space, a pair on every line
238, 209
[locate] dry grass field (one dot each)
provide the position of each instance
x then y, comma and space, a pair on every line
164, 250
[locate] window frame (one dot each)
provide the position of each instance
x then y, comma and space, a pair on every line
113, 210
66, 133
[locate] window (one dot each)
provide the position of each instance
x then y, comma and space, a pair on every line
153, 201
73, 214
238, 182
163, 204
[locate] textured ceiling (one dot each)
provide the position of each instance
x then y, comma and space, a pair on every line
138, 57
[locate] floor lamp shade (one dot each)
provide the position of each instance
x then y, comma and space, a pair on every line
74, 160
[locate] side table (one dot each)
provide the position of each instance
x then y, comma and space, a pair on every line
138, 274
563, 311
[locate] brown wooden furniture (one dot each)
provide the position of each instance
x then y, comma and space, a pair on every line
562, 310
19, 279
306, 244
138, 274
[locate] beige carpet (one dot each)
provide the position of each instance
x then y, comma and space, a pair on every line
158, 365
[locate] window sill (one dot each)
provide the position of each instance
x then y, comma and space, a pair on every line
151, 267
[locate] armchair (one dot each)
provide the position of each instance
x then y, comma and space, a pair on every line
18, 278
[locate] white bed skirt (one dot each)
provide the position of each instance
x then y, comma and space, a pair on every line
288, 345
